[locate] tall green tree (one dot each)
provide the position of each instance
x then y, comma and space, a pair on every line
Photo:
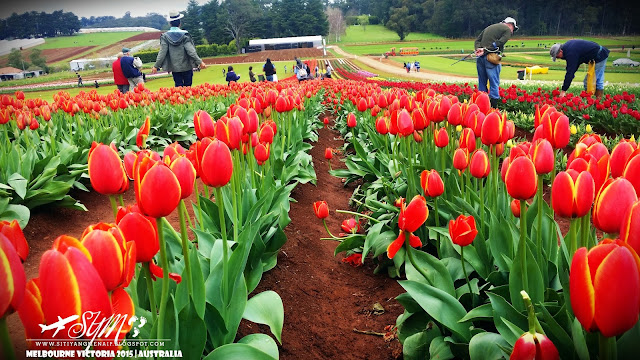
400, 21
16, 60
236, 18
192, 22
38, 60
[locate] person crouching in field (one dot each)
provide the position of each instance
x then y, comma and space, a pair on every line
177, 53
576, 52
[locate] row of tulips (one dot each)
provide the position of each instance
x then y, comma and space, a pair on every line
407, 148
251, 161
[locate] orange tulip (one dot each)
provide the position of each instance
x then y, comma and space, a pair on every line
521, 179
463, 230
106, 170
14, 233
431, 183
410, 219
604, 284
141, 230
612, 203
12, 278
143, 133
321, 209
572, 194
216, 164
534, 346
479, 166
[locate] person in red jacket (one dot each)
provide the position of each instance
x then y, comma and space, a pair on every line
118, 77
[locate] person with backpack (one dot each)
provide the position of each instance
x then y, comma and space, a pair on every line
131, 68
119, 79
177, 53
301, 73
231, 75
269, 69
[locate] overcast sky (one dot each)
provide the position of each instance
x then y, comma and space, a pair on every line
88, 8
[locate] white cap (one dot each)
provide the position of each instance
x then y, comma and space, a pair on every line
510, 20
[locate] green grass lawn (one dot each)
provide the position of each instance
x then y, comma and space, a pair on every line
79, 40
212, 75
437, 45
376, 34
468, 68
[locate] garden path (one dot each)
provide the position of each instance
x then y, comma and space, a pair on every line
324, 298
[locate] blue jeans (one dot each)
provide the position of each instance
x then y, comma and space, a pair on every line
599, 75
184, 78
491, 73
269, 77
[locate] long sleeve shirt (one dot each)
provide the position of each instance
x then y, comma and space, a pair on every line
493, 37
577, 52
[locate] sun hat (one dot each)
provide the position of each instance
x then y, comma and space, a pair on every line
174, 15
555, 49
125, 50
510, 20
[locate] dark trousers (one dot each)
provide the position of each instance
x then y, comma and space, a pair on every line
184, 78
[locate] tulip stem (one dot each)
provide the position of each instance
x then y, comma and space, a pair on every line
435, 208
464, 271
481, 208
185, 243
358, 214
539, 232
184, 205
223, 233
165, 279
329, 164
410, 251
199, 207
586, 225
114, 206
608, 348
531, 313
523, 244
329, 232
234, 195
152, 298
573, 237
5, 340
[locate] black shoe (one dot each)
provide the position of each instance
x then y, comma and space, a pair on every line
494, 102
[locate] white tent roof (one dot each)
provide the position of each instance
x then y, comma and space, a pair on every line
285, 40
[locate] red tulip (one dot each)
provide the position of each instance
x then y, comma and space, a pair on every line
325, 121
455, 115
632, 172
229, 131
492, 129
619, 156
282, 104
113, 258
410, 219
156, 272
143, 133
351, 120
419, 118
630, 231
141, 230
612, 203
382, 125
328, 153
184, 172
405, 123
543, 156
350, 226
431, 183
14, 234
321, 209
572, 194
461, 159
555, 128
106, 170
441, 137
515, 207
468, 140
216, 164
266, 133
604, 285
262, 152
152, 178
479, 165
12, 278
521, 179
534, 346
31, 315
463, 230
481, 99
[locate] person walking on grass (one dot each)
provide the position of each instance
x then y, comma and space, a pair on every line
576, 52
492, 40
269, 69
177, 53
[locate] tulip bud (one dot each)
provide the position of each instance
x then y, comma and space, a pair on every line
321, 209
431, 183
612, 203
479, 165
463, 230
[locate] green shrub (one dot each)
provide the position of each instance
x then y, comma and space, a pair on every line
351, 20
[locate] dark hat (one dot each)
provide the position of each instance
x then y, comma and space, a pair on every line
125, 50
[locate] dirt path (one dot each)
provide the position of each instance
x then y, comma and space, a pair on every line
325, 299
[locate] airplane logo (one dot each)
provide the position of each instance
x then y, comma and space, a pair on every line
58, 325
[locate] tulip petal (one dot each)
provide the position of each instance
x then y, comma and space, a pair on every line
396, 245
582, 291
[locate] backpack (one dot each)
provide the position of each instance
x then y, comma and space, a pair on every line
302, 72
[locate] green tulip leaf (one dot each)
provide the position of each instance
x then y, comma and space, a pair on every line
439, 349
487, 346
192, 332
484, 311
238, 351
19, 184
263, 343
266, 308
436, 271
503, 310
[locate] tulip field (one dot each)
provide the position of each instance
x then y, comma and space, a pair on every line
482, 233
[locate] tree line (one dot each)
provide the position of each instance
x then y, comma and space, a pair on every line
39, 24
466, 18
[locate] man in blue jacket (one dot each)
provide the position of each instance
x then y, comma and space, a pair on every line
576, 52
130, 68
